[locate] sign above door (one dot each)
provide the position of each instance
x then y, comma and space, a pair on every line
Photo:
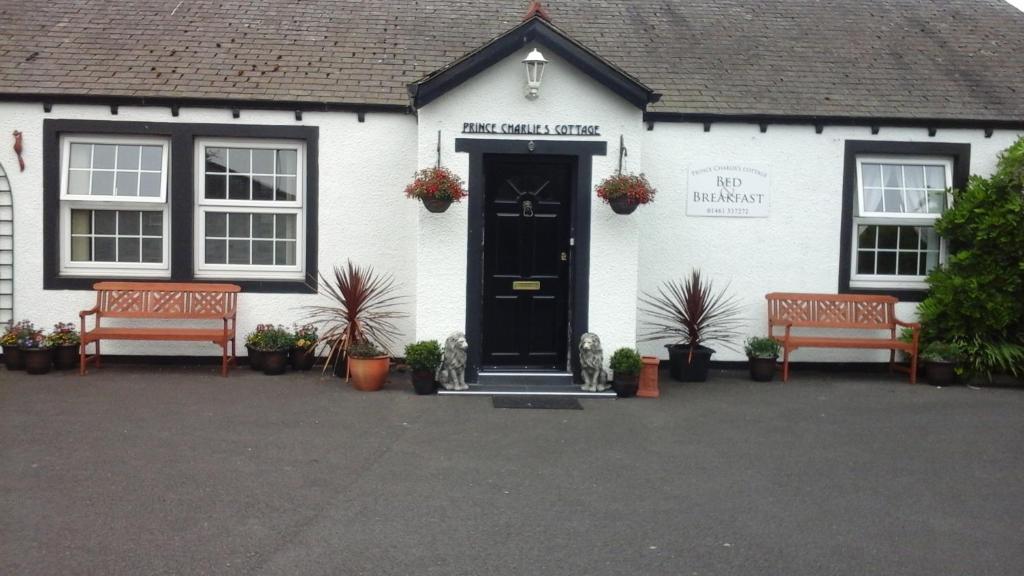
527, 129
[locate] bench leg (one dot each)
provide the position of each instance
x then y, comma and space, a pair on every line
913, 369
785, 365
98, 365
81, 358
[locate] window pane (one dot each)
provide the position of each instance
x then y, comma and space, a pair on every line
865, 262
152, 250
284, 254
892, 176
262, 252
262, 225
893, 200
886, 263
127, 184
103, 156
872, 199
105, 222
149, 184
872, 175
929, 238
152, 224
263, 188
238, 187
917, 201
128, 223
128, 157
286, 226
887, 236
105, 249
102, 183
216, 224
867, 236
936, 177
81, 155
238, 160
81, 249
152, 158
936, 202
238, 251
78, 182
908, 238
128, 250
216, 160
262, 161
216, 186
286, 161
907, 263
913, 175
238, 226
81, 221
216, 251
286, 188
929, 260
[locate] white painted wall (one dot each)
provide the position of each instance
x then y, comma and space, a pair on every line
797, 247
496, 95
363, 214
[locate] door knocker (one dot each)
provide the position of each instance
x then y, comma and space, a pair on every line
527, 203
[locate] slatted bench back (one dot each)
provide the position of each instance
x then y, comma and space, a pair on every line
165, 300
832, 310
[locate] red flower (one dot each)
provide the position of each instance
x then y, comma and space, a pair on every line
438, 183
634, 187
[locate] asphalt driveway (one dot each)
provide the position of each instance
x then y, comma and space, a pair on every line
136, 470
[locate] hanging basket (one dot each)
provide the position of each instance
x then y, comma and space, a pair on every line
437, 188
624, 192
623, 205
436, 205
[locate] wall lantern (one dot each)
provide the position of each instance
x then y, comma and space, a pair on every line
534, 63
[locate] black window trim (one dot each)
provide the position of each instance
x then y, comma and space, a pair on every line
181, 197
961, 154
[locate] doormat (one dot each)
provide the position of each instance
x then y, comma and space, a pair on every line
538, 402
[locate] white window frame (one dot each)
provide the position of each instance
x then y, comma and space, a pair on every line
204, 205
69, 202
864, 218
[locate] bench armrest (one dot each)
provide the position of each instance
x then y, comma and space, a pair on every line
915, 325
88, 312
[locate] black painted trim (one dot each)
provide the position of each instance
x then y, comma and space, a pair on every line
181, 195
961, 154
175, 103
542, 32
874, 122
583, 151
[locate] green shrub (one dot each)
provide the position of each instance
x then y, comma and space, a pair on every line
761, 347
423, 356
941, 352
976, 300
626, 361
364, 349
274, 338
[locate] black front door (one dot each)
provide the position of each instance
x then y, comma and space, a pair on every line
527, 261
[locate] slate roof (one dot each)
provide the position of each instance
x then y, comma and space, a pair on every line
936, 59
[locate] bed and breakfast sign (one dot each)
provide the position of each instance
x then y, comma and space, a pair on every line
736, 190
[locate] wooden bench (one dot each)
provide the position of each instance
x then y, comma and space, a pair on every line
163, 301
843, 311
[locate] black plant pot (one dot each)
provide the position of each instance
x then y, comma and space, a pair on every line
940, 373
762, 369
38, 360
423, 382
622, 205
303, 358
65, 357
625, 385
435, 205
275, 362
685, 367
13, 358
255, 358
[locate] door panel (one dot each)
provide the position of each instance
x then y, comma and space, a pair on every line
526, 261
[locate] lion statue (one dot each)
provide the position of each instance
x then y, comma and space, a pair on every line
452, 372
592, 363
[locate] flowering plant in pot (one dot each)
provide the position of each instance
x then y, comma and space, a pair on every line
65, 341
304, 349
763, 354
37, 352
940, 363
626, 365
437, 188
691, 313
275, 346
13, 358
369, 366
624, 192
423, 358
254, 342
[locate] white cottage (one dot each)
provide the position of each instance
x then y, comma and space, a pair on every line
791, 145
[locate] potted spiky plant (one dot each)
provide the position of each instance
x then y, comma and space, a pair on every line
362, 308
691, 313
368, 365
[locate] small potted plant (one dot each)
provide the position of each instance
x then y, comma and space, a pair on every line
437, 188
940, 360
65, 341
624, 192
368, 365
304, 350
13, 358
626, 366
254, 345
38, 354
423, 358
763, 354
275, 348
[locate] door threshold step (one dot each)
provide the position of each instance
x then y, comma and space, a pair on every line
526, 390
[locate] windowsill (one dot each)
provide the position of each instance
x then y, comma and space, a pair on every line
248, 285
904, 294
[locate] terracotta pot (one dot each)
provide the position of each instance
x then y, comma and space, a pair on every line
649, 377
423, 382
38, 360
436, 205
940, 373
255, 358
762, 369
622, 205
275, 362
685, 367
303, 358
625, 385
369, 374
13, 358
66, 357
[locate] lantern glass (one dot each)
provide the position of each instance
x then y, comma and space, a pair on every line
534, 64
